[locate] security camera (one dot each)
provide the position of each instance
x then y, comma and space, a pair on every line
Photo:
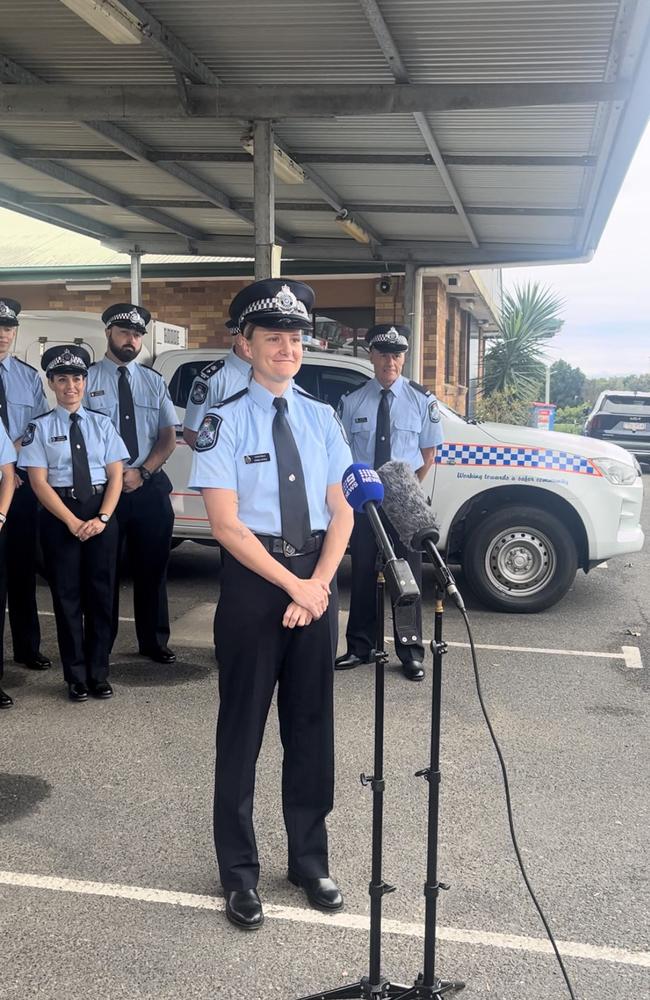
384, 286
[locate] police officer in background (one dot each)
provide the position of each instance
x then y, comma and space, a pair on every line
387, 418
218, 380
137, 401
7, 488
283, 528
21, 400
74, 458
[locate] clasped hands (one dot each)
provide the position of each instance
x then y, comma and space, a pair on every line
309, 600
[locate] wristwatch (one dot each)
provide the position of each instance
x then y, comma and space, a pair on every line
146, 474
104, 518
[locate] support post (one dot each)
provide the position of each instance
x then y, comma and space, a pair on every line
411, 362
266, 256
136, 277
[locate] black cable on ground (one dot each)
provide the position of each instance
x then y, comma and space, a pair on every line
511, 823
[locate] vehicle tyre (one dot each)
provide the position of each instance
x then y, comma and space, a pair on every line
521, 559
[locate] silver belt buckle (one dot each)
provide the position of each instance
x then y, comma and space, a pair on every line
73, 495
288, 549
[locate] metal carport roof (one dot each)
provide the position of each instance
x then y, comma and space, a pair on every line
458, 132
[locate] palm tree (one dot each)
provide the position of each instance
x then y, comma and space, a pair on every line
515, 361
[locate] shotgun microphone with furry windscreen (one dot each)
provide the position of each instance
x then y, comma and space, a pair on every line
406, 508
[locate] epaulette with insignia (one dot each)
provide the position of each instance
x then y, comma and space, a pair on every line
212, 369
420, 388
308, 395
230, 399
26, 364
41, 415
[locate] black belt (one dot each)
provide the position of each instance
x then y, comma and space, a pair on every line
278, 546
68, 491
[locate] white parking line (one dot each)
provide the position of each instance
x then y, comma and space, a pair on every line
50, 614
350, 921
631, 655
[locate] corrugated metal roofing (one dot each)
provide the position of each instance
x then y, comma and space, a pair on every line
293, 42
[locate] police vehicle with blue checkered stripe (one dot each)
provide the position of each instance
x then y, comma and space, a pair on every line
520, 509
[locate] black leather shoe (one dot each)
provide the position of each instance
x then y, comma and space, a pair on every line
160, 654
101, 690
413, 670
34, 661
244, 909
78, 692
6, 701
350, 660
322, 893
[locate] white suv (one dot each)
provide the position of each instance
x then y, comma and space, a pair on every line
520, 509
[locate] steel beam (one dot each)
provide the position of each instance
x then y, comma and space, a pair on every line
400, 73
20, 202
156, 102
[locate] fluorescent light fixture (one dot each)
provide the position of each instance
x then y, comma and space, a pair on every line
89, 286
109, 18
284, 168
352, 229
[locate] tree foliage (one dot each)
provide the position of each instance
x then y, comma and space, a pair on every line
515, 361
567, 384
503, 407
594, 386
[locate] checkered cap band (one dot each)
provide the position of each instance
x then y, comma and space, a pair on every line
276, 305
514, 457
68, 359
391, 337
133, 317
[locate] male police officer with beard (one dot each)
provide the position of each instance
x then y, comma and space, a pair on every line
387, 418
283, 527
22, 399
137, 401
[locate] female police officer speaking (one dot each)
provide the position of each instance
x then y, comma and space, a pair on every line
283, 528
74, 458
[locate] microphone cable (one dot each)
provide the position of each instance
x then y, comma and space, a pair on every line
511, 822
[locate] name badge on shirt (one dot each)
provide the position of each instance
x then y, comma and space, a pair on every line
252, 459
361, 420
97, 392
61, 437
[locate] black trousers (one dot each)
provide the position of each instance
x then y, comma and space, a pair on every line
146, 519
3, 594
255, 653
361, 632
82, 581
22, 531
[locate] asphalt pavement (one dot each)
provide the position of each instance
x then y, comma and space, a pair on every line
108, 884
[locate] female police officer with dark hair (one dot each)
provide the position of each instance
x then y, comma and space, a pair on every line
283, 527
74, 458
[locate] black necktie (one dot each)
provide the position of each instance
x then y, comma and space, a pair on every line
3, 403
128, 430
382, 433
294, 509
81, 481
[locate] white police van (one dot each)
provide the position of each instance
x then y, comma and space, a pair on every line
520, 509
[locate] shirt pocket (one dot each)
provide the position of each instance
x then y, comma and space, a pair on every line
405, 436
21, 413
147, 418
361, 435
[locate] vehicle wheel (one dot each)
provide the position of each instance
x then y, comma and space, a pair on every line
521, 559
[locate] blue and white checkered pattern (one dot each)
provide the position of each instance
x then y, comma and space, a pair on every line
514, 457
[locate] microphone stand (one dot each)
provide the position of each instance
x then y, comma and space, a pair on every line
427, 984
374, 986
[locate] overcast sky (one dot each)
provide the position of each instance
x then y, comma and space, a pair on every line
607, 301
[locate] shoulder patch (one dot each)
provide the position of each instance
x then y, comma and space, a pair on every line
434, 411
208, 434
341, 427
231, 399
211, 369
420, 388
28, 436
199, 392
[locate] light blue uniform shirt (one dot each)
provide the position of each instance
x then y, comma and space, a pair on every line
218, 381
25, 395
46, 445
153, 407
7, 449
414, 421
235, 451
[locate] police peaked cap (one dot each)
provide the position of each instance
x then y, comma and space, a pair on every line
389, 338
65, 359
274, 303
126, 314
9, 310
